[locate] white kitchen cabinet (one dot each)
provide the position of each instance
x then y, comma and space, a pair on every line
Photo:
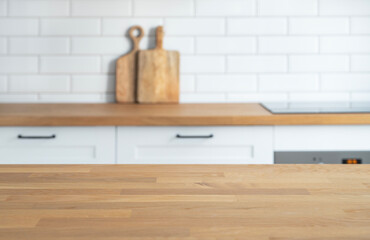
57, 145
173, 145
322, 138
195, 145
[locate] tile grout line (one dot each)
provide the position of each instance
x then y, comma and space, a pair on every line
194, 8
132, 8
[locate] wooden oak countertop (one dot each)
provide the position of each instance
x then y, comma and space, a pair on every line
259, 202
162, 115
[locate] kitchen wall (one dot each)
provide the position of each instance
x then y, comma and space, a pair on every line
232, 50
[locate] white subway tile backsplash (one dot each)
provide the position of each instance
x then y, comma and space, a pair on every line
226, 83
3, 84
117, 8
360, 63
194, 26
231, 50
360, 25
288, 44
150, 43
72, 98
109, 63
288, 82
185, 45
226, 45
166, 8
319, 25
73, 64
38, 8
257, 97
18, 98
108, 98
187, 83
93, 83
256, 26
100, 45
3, 7
121, 26
18, 64
70, 26
202, 64
3, 48
18, 26
319, 63
287, 7
347, 44
319, 97
38, 45
225, 7
256, 64
38, 83
202, 98
346, 82
344, 7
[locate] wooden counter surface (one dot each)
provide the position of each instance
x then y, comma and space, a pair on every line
162, 115
111, 202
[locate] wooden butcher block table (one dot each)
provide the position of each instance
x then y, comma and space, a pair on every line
184, 202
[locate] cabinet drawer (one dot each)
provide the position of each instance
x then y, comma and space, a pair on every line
194, 145
57, 145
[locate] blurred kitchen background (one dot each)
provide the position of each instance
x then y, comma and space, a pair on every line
231, 50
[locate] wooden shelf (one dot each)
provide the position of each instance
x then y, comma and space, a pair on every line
162, 115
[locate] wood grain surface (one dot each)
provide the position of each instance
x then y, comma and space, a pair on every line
126, 70
158, 74
111, 202
162, 115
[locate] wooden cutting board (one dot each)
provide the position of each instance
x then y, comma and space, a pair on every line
158, 74
126, 70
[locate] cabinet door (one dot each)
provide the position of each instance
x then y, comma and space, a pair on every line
194, 145
59, 145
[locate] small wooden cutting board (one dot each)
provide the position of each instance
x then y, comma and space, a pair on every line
158, 74
126, 70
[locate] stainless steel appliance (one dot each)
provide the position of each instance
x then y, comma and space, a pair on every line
317, 107
322, 157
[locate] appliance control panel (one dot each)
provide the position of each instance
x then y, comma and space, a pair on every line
322, 157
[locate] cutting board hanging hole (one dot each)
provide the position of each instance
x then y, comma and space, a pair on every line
136, 34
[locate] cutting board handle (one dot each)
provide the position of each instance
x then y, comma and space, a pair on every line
160, 35
136, 39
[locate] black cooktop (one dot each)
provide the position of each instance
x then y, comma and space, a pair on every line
318, 107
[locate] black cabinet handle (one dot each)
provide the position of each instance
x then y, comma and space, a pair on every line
194, 136
37, 137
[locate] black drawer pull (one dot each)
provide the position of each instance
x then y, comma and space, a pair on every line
194, 136
37, 137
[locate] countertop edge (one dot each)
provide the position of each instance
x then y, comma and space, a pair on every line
248, 114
